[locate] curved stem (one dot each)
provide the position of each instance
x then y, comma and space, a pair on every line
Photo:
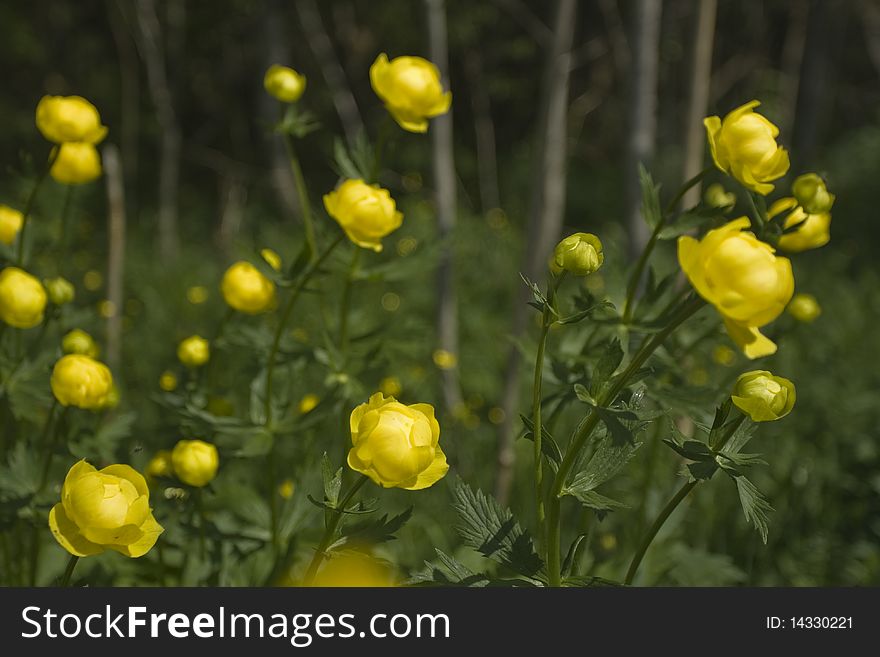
537, 430
330, 531
29, 204
68, 572
688, 308
302, 193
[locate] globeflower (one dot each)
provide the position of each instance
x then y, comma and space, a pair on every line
366, 213
22, 298
78, 341
811, 193
744, 146
247, 290
284, 84
395, 445
60, 290
580, 254
411, 89
195, 462
763, 396
194, 351
803, 231
743, 278
63, 119
76, 163
804, 308
11, 221
104, 509
82, 382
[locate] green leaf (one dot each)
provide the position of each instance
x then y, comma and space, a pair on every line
650, 198
568, 562
20, 476
607, 365
549, 446
586, 312
586, 581
450, 572
620, 434
606, 462
540, 301
492, 530
371, 532
332, 481
344, 163
755, 507
103, 443
597, 501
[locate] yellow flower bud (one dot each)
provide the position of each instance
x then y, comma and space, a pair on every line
104, 509
411, 89
160, 465
247, 290
716, 196
272, 258
355, 570
286, 489
763, 396
61, 290
82, 382
810, 230
284, 84
744, 146
811, 194
195, 462
194, 351
390, 386
581, 254
396, 446
69, 119
366, 213
168, 381
22, 298
10, 224
804, 308
79, 342
307, 403
76, 163
742, 277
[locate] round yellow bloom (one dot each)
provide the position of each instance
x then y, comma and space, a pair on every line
742, 277
272, 258
168, 381
744, 146
22, 298
581, 254
396, 446
355, 570
64, 119
390, 386
810, 230
195, 462
247, 290
286, 489
763, 396
804, 308
79, 342
811, 193
716, 196
82, 382
60, 290
160, 465
366, 213
284, 84
411, 89
308, 403
10, 224
104, 509
77, 163
194, 351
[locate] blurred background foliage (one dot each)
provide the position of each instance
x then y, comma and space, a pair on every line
180, 85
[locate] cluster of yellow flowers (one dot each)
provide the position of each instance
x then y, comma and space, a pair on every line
74, 124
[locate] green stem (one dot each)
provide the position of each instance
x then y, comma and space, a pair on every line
642, 262
68, 572
302, 193
273, 503
760, 215
49, 446
688, 308
285, 316
345, 303
65, 215
667, 510
334, 516
29, 204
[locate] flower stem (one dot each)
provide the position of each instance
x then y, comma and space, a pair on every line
688, 308
345, 303
68, 572
29, 205
332, 522
302, 194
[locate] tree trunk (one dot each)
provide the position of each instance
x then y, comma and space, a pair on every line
642, 118
545, 220
701, 75
446, 203
113, 174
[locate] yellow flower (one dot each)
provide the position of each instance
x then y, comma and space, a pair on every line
197, 294
396, 446
22, 298
104, 509
60, 290
286, 489
810, 230
76, 163
445, 360
723, 355
81, 381
763, 396
10, 224
811, 193
194, 351
168, 381
195, 462
79, 342
247, 290
64, 119
272, 258
716, 196
804, 308
411, 89
160, 465
366, 213
356, 570
284, 84
744, 146
581, 254
742, 277
307, 403
390, 386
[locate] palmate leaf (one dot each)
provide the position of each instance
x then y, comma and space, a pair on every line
492, 530
20, 477
607, 365
608, 460
755, 507
449, 572
371, 532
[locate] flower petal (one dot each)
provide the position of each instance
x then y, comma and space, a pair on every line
67, 534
